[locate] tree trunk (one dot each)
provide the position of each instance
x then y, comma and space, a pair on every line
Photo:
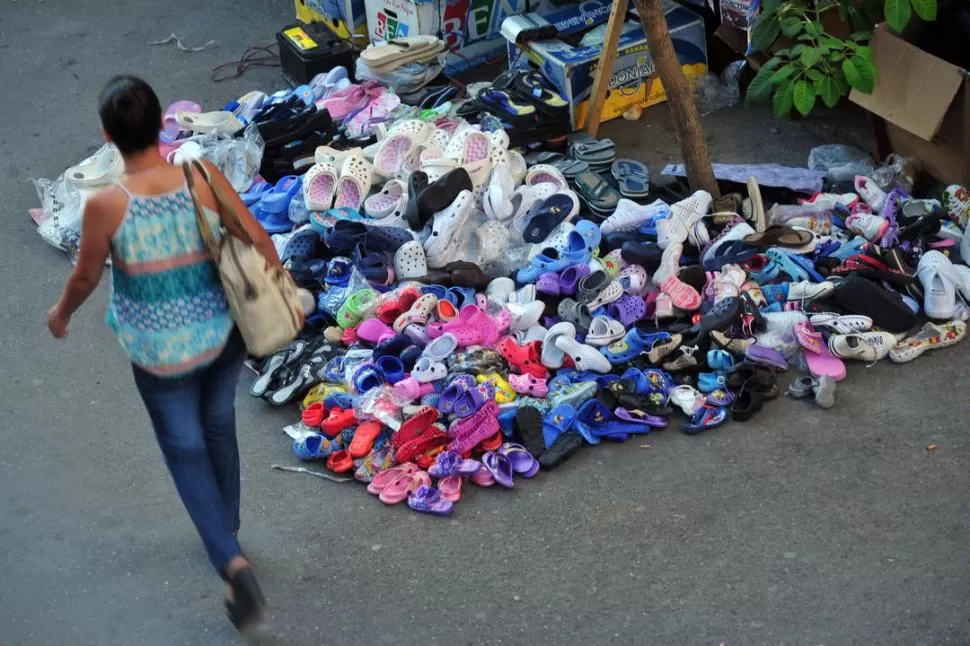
687, 120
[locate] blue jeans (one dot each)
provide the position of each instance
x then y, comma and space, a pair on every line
195, 423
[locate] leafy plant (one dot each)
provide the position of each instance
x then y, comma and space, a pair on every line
821, 66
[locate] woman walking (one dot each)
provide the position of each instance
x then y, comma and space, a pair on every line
171, 316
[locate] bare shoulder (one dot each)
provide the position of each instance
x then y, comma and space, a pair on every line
105, 209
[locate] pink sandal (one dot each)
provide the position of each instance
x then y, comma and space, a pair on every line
398, 490
450, 488
529, 385
682, 295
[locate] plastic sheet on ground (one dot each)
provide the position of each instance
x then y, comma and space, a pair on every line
801, 180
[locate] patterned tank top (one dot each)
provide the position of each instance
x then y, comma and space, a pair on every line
167, 305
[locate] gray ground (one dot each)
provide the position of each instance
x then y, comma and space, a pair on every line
803, 527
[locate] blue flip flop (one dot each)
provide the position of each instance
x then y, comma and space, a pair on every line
556, 422
633, 178
553, 210
272, 210
256, 191
592, 415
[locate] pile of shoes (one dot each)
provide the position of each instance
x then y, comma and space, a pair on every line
474, 315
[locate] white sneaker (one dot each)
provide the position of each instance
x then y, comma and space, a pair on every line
841, 323
808, 291
874, 196
936, 274
684, 215
669, 263
865, 346
629, 215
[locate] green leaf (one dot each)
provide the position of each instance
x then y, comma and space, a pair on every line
898, 13
811, 56
804, 97
835, 57
814, 28
866, 53
769, 6
760, 87
840, 83
764, 34
828, 90
806, 37
783, 74
782, 52
851, 73
782, 101
866, 72
815, 76
862, 35
791, 26
925, 9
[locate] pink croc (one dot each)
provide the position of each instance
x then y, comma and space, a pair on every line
682, 295
374, 331
528, 385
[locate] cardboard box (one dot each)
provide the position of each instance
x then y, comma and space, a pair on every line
470, 28
345, 18
922, 108
741, 14
633, 80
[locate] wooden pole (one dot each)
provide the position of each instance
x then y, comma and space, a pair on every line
601, 81
687, 120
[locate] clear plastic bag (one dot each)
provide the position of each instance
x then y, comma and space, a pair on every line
63, 206
841, 162
712, 93
237, 157
382, 404
897, 172
299, 214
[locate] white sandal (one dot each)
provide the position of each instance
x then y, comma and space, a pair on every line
319, 186
354, 183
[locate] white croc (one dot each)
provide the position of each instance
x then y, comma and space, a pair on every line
319, 186
475, 149
552, 355
443, 244
479, 172
683, 216
497, 201
409, 261
525, 316
391, 155
441, 348
100, 169
220, 121
546, 174
427, 370
586, 357
393, 197
500, 289
517, 167
603, 331
328, 155
354, 183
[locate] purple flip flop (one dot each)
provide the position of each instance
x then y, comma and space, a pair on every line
500, 466
640, 417
521, 460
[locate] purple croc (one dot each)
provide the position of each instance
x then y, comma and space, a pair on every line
548, 284
500, 466
570, 277
428, 500
761, 355
627, 309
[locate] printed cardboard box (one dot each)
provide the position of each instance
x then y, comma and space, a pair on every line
633, 81
470, 28
343, 17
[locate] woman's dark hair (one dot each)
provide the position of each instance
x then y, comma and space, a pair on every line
130, 113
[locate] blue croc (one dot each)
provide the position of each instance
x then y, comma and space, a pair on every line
710, 381
344, 235
720, 360
788, 263
438, 291
339, 400
391, 368
366, 378
255, 192
556, 422
590, 232
461, 296
316, 447
305, 243
704, 418
547, 260
339, 271
630, 346
388, 239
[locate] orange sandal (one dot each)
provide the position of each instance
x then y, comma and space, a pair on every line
364, 438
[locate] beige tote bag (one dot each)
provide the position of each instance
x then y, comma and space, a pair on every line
264, 302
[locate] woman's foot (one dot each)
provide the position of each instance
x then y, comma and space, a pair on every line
244, 599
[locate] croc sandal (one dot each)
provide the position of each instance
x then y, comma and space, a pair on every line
356, 308
627, 310
570, 277
417, 314
521, 460
354, 183
524, 358
611, 293
635, 342
585, 357
529, 385
632, 177
546, 261
364, 437
391, 369
704, 418
437, 502
546, 174
552, 355
319, 187
575, 313
557, 421
603, 330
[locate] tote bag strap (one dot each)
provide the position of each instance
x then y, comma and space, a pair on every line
226, 208
208, 236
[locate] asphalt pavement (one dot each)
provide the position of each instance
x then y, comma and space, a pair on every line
802, 527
